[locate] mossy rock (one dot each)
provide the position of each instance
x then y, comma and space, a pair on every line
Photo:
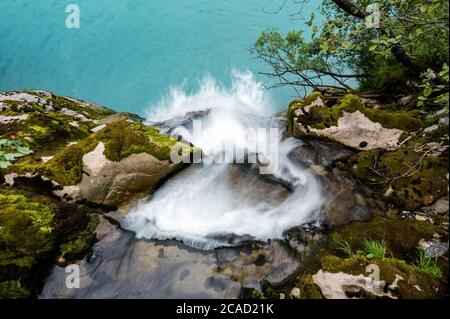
308, 289
12, 289
91, 111
321, 116
407, 178
400, 236
122, 138
34, 230
415, 284
298, 104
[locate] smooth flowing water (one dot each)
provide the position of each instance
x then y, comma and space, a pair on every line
208, 203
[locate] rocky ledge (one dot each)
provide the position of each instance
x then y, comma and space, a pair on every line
401, 155
63, 162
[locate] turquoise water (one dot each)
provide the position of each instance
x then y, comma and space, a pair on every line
128, 53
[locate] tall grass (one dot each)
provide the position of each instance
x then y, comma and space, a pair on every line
428, 265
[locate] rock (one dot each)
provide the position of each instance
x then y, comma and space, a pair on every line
116, 183
34, 228
357, 131
420, 217
350, 123
283, 264
406, 100
112, 163
295, 293
441, 207
407, 178
443, 116
423, 244
344, 286
314, 152
431, 128
98, 128
350, 201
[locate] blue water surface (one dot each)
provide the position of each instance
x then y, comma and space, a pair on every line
127, 53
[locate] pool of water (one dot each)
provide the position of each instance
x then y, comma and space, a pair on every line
127, 54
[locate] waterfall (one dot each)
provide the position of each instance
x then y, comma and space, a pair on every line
220, 204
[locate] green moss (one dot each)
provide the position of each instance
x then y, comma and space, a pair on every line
25, 231
320, 117
296, 104
412, 276
41, 215
12, 289
34, 230
94, 113
123, 138
400, 236
414, 181
80, 243
308, 289
66, 167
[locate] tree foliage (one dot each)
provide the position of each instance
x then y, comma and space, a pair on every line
361, 43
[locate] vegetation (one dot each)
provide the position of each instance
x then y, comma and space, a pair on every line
10, 150
122, 139
428, 265
380, 45
375, 249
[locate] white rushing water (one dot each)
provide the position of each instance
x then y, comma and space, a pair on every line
206, 203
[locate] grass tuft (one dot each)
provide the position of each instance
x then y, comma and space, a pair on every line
428, 265
346, 248
375, 249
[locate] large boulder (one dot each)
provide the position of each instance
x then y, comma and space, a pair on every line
349, 122
396, 155
85, 152
35, 231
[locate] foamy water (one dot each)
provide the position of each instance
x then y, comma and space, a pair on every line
205, 204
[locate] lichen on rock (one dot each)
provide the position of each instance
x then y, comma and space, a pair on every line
349, 122
136, 156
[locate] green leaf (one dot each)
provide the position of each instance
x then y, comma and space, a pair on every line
373, 47
4, 164
427, 91
369, 256
346, 44
24, 150
12, 156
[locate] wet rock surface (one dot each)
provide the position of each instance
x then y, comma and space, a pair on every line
121, 266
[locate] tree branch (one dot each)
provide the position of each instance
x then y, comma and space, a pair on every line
397, 50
